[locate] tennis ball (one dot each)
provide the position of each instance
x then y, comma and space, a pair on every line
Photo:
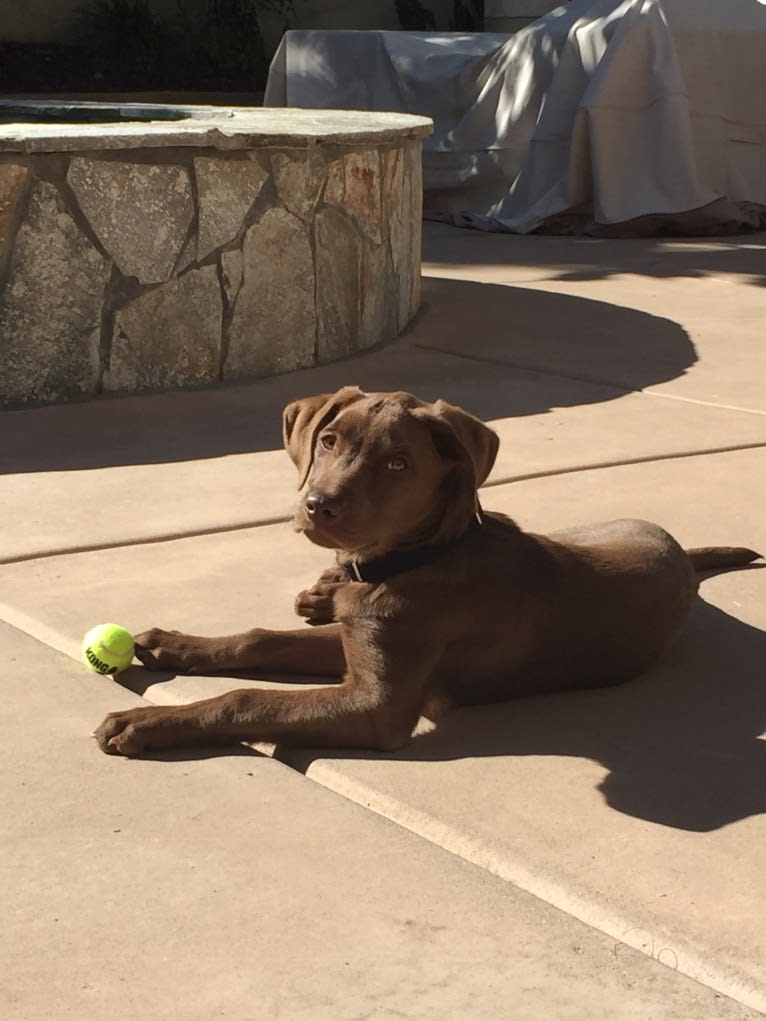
107, 648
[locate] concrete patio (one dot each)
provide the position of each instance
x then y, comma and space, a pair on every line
591, 855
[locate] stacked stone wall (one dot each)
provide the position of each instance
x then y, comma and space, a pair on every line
150, 269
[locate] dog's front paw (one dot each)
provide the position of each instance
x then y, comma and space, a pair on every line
172, 650
317, 604
135, 730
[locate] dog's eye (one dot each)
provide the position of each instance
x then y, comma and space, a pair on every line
397, 464
328, 441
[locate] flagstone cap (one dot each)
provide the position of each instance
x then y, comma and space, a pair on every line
48, 126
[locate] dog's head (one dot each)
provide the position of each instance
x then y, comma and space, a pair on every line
383, 471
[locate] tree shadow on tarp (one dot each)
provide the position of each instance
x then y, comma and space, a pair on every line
541, 348
681, 743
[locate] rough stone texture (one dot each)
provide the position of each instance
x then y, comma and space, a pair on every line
395, 206
325, 271
409, 271
120, 201
354, 183
188, 254
226, 191
339, 283
379, 296
396, 211
169, 336
361, 297
232, 265
299, 176
274, 323
50, 311
12, 178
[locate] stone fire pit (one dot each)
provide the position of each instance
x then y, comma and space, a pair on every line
146, 247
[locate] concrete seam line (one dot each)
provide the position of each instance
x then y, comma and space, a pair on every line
279, 520
627, 463
500, 863
66, 551
476, 851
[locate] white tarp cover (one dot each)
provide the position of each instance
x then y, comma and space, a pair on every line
639, 116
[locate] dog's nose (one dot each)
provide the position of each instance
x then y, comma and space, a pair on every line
320, 506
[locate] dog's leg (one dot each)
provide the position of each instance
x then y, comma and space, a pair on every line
314, 651
376, 706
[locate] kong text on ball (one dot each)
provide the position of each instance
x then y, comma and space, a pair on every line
108, 648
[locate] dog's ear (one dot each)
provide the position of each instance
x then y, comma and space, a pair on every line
471, 447
460, 436
302, 421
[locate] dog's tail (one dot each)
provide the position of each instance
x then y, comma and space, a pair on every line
711, 558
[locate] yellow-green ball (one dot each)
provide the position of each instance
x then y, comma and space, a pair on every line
108, 648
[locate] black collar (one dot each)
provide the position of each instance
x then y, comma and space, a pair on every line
397, 562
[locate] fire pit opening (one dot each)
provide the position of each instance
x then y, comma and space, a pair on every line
85, 113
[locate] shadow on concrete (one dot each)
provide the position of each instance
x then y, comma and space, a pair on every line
681, 744
139, 680
615, 347
582, 258
563, 340
192, 754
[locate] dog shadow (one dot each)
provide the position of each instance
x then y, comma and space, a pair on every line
681, 743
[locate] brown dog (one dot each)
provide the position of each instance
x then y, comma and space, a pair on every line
432, 603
